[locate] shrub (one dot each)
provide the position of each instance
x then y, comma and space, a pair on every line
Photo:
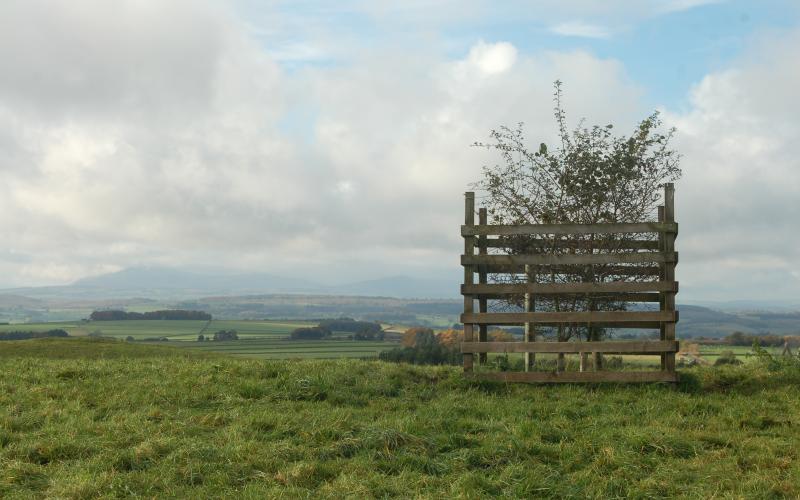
727, 358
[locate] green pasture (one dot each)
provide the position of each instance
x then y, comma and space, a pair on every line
90, 418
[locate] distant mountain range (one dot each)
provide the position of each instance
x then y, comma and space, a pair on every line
162, 283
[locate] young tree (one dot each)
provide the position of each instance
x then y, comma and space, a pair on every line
590, 176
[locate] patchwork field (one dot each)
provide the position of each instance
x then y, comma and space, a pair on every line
257, 339
268, 339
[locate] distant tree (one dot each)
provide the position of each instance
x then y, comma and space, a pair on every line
223, 335
310, 333
25, 335
499, 335
201, 338
168, 314
450, 337
129, 338
417, 336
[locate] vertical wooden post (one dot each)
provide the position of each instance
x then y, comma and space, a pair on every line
530, 328
662, 277
669, 271
483, 329
469, 249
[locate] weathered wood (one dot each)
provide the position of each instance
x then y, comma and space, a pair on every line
576, 377
597, 297
559, 288
598, 317
661, 277
530, 328
569, 260
522, 229
613, 346
483, 330
469, 249
573, 270
572, 243
669, 270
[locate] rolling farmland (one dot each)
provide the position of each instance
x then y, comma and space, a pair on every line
257, 339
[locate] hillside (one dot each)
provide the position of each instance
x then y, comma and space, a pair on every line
83, 418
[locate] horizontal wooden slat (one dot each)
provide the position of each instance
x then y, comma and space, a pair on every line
574, 270
570, 243
556, 260
637, 227
618, 347
609, 297
556, 288
569, 377
594, 317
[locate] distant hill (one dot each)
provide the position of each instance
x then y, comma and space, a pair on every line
160, 278
401, 287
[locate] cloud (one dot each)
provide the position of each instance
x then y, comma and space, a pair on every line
166, 133
738, 200
580, 29
167, 145
492, 58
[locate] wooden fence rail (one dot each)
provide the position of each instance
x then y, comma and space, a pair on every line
615, 254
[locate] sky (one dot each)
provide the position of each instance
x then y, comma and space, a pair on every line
331, 140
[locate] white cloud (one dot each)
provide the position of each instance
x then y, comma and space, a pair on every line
492, 58
168, 146
580, 29
121, 145
737, 202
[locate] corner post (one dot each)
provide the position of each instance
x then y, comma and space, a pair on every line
669, 271
469, 250
483, 334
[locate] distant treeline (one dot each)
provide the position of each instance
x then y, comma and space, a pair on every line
167, 314
33, 335
764, 340
360, 330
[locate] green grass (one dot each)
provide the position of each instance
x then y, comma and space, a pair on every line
82, 418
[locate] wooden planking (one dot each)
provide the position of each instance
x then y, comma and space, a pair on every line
521, 229
618, 347
596, 297
483, 331
576, 377
574, 270
469, 249
557, 288
567, 317
669, 270
571, 243
561, 260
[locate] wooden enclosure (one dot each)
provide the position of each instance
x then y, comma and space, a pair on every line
606, 267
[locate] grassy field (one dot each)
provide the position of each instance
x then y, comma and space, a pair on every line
84, 418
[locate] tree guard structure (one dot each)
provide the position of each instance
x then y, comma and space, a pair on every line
617, 272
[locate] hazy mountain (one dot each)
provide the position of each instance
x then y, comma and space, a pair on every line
169, 283
145, 278
402, 287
